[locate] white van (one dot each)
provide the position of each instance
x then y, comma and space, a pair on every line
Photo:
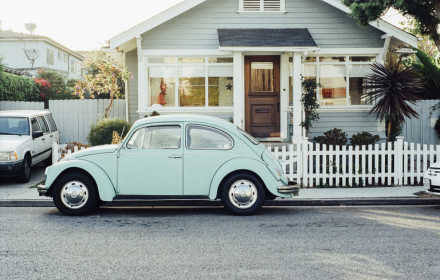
26, 138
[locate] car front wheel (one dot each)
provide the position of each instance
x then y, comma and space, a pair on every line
75, 194
25, 174
243, 194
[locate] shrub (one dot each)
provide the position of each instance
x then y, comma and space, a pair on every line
332, 137
364, 138
437, 126
18, 88
102, 132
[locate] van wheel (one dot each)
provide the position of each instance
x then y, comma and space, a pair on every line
75, 194
243, 194
25, 174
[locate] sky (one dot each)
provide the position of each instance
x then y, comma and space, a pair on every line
80, 25
84, 25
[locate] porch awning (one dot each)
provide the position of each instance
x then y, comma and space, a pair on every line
289, 39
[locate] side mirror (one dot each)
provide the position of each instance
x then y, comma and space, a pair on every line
37, 134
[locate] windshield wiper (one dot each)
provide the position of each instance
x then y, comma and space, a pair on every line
7, 133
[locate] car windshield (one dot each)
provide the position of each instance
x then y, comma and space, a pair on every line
14, 126
248, 136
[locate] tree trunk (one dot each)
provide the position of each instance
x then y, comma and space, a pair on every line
389, 130
108, 109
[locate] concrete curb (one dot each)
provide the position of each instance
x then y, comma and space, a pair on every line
278, 202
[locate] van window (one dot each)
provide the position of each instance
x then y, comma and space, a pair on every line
43, 124
35, 125
51, 123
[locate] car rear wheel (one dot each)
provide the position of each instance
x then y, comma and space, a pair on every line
243, 194
25, 174
75, 194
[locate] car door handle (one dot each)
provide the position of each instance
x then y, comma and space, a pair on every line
175, 156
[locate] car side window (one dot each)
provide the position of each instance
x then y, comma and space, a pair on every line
136, 139
51, 123
35, 125
205, 137
43, 124
162, 137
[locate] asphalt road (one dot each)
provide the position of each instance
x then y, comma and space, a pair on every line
207, 243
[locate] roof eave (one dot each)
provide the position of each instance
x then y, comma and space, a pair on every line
269, 49
153, 22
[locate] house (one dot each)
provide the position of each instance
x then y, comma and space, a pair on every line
53, 55
243, 60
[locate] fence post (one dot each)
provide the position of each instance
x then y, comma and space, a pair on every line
304, 146
398, 161
55, 152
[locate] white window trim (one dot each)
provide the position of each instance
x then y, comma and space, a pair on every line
176, 64
261, 11
347, 63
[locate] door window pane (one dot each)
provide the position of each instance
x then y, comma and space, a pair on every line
262, 76
51, 123
162, 137
203, 137
162, 85
43, 124
35, 126
192, 86
333, 85
136, 139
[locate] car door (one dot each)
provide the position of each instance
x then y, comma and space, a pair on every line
206, 150
46, 137
38, 144
54, 133
151, 162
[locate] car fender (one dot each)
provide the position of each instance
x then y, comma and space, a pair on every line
105, 187
245, 164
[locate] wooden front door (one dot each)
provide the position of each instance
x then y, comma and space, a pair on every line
262, 95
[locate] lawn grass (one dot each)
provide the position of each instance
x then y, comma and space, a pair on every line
36, 185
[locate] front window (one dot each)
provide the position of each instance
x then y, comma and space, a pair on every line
262, 6
190, 81
14, 126
341, 78
156, 137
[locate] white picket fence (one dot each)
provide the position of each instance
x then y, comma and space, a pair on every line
398, 163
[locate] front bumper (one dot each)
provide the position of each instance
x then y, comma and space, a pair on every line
427, 183
10, 169
291, 187
42, 190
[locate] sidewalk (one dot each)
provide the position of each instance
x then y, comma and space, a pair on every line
13, 194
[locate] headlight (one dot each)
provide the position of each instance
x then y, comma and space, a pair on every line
8, 156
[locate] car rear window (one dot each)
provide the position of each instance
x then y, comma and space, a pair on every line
51, 123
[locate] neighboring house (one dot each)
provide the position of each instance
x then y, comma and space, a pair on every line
244, 60
52, 54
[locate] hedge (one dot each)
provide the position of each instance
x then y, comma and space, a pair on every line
18, 88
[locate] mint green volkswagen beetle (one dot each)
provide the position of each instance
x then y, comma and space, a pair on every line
170, 157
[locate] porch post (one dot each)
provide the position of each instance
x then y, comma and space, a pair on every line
297, 106
239, 89
142, 93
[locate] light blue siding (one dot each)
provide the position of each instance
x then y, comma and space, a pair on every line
132, 65
349, 122
197, 28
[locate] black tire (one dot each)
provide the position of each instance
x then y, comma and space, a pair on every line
48, 162
75, 194
243, 194
25, 173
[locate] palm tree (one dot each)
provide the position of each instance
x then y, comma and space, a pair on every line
391, 91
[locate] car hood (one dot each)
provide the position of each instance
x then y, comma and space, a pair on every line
103, 149
11, 142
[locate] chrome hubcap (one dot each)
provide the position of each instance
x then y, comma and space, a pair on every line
243, 194
74, 194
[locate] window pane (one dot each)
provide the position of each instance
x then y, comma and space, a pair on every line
161, 60
357, 74
191, 60
311, 59
162, 85
362, 58
332, 59
220, 85
136, 140
51, 123
202, 137
43, 125
162, 137
262, 76
192, 86
220, 60
35, 126
309, 73
333, 85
